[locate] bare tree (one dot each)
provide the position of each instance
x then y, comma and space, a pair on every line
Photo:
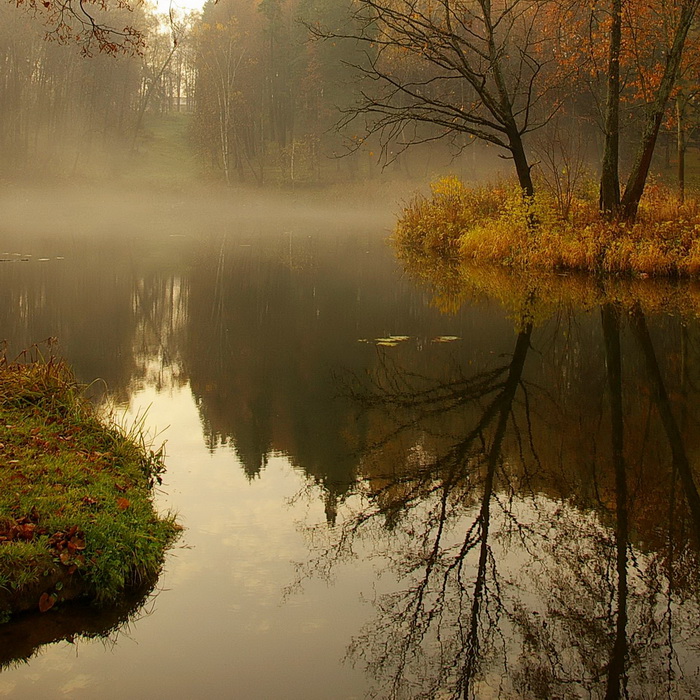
441, 68
562, 167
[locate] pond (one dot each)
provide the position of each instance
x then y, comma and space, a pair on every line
396, 480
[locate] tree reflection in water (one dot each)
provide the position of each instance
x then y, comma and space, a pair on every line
26, 635
545, 542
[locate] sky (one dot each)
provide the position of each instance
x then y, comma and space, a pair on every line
182, 5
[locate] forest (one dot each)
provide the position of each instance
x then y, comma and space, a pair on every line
556, 93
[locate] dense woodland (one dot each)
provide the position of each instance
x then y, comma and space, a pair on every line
277, 90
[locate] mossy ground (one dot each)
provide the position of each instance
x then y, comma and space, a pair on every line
76, 514
495, 225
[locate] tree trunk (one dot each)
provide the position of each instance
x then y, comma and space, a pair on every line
613, 361
522, 167
149, 91
640, 170
609, 202
679, 455
504, 402
680, 144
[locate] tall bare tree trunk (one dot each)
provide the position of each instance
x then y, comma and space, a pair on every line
609, 202
680, 145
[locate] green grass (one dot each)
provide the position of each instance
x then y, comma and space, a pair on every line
76, 514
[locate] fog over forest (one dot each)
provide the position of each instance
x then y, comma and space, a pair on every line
200, 104
300, 94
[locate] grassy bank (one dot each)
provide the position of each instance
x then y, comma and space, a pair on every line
493, 225
76, 515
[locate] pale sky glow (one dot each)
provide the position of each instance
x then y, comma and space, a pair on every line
182, 6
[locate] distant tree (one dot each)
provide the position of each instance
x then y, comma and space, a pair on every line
160, 84
228, 111
264, 94
58, 112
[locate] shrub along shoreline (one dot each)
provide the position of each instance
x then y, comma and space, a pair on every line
76, 511
496, 225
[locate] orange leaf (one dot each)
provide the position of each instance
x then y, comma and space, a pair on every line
76, 544
123, 503
64, 556
46, 602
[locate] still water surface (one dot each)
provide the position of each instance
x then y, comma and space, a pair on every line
390, 487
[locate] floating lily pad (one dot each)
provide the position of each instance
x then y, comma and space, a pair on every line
445, 339
394, 339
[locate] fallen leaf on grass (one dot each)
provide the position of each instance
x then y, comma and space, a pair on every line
123, 503
46, 602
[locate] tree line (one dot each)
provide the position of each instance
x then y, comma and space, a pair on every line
547, 83
502, 70
72, 103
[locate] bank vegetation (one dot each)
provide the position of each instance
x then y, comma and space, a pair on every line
77, 518
497, 225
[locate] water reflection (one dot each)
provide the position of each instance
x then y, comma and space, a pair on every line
24, 636
528, 491
541, 515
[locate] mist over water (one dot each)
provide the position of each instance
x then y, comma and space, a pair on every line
221, 315
377, 495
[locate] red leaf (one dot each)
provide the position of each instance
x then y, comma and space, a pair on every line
46, 602
123, 503
26, 531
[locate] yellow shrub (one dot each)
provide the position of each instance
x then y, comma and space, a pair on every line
498, 225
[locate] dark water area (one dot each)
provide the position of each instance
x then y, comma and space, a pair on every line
385, 492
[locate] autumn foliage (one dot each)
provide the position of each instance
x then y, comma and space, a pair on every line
492, 225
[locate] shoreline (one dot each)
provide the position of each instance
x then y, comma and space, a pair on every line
76, 513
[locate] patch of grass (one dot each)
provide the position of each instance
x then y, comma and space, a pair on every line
76, 513
164, 153
493, 225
